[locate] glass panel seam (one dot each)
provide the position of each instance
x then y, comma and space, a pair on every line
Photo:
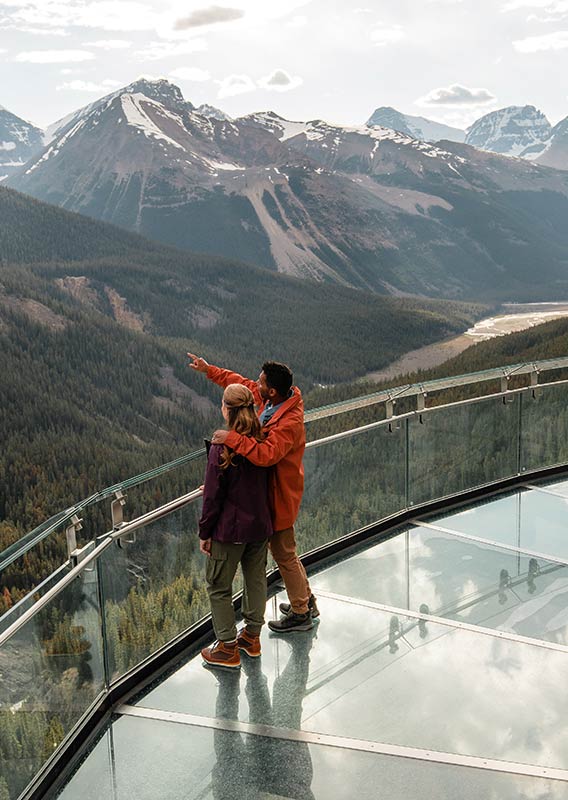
500, 545
449, 623
345, 743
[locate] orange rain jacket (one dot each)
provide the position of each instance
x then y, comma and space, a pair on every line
282, 449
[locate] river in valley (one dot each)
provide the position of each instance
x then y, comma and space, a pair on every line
514, 317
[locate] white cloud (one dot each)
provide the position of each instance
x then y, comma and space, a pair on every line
382, 35
88, 86
158, 50
110, 44
235, 84
122, 15
212, 15
299, 21
54, 56
515, 5
190, 74
549, 41
33, 31
456, 95
280, 81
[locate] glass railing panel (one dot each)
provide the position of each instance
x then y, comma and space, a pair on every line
440, 574
544, 428
14, 610
363, 680
52, 671
351, 483
141, 493
148, 493
457, 448
153, 758
154, 588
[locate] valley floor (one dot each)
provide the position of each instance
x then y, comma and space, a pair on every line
514, 318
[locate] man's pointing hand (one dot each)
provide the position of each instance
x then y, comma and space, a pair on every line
198, 363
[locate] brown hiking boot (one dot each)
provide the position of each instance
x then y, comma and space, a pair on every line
290, 623
222, 654
286, 608
249, 642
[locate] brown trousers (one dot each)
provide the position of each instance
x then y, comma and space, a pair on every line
282, 545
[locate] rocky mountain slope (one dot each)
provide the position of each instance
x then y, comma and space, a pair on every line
554, 152
366, 207
19, 141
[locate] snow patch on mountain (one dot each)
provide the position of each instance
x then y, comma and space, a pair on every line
132, 106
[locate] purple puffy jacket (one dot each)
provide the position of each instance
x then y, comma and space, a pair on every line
235, 501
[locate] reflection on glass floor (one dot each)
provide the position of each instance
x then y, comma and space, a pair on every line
379, 700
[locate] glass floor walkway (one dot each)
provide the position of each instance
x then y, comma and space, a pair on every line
438, 669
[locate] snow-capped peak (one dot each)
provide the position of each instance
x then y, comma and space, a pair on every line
418, 127
213, 113
159, 90
510, 131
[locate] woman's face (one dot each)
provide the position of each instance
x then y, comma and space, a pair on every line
224, 411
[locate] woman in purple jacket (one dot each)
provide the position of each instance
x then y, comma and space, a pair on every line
234, 528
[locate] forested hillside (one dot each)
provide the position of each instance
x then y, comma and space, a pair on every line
94, 327
549, 340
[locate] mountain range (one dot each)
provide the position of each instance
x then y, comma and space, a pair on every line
368, 207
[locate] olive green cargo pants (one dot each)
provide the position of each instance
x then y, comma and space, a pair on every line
220, 572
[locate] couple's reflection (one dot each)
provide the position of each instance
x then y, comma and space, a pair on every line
253, 766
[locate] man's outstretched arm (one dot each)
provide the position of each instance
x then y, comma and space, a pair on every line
223, 377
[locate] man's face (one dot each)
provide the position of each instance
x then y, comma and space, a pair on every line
263, 389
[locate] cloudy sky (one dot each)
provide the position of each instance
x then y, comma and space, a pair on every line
449, 60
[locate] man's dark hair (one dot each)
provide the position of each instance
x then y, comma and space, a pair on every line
278, 376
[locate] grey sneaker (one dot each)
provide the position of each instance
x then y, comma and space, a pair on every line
285, 608
292, 622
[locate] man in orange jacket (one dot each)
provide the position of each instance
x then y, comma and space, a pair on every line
281, 412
